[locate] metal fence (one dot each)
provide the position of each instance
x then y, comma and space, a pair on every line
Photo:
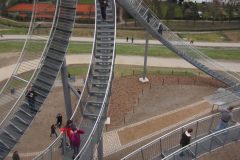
207, 144
169, 143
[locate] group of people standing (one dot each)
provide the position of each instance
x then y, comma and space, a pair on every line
73, 134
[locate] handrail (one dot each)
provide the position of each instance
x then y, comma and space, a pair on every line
209, 61
195, 143
60, 136
12, 110
30, 29
206, 119
106, 93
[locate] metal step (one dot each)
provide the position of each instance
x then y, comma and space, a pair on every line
97, 91
45, 80
26, 118
64, 24
67, 13
25, 111
4, 144
102, 70
16, 127
94, 103
49, 71
68, 4
19, 124
8, 140
21, 120
55, 65
104, 57
42, 85
103, 63
10, 135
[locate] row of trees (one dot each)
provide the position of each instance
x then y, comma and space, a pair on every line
173, 9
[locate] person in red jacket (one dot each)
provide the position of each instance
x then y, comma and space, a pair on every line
76, 140
68, 129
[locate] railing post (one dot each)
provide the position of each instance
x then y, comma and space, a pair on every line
64, 143
142, 154
50, 153
210, 147
196, 130
160, 142
100, 149
66, 91
196, 151
210, 126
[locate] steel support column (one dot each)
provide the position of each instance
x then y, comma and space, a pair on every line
144, 78
66, 90
100, 149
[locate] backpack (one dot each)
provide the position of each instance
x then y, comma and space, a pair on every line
75, 138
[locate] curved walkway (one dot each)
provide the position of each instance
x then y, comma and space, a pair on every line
5, 72
122, 41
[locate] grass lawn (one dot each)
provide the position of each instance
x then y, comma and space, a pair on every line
219, 36
124, 49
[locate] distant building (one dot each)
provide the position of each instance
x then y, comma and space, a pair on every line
45, 11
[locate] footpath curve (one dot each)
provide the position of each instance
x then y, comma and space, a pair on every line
5, 72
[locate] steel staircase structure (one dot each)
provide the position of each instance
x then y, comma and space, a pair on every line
168, 147
99, 82
20, 116
141, 12
91, 110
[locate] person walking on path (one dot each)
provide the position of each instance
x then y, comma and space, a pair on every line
15, 156
160, 28
132, 39
127, 39
76, 140
53, 130
226, 116
185, 139
103, 6
30, 95
59, 120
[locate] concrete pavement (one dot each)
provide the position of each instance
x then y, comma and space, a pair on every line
121, 41
5, 72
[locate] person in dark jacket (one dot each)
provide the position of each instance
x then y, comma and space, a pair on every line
186, 138
160, 29
53, 130
30, 95
103, 6
15, 156
59, 120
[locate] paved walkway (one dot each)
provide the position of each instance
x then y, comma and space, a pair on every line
5, 72
122, 41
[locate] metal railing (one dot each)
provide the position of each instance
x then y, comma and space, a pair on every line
99, 123
53, 151
207, 144
170, 142
175, 43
